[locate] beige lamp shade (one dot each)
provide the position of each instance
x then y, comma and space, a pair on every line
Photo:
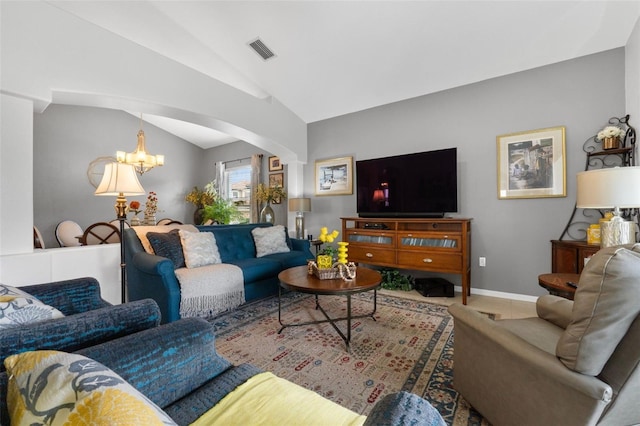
299, 204
612, 188
617, 187
119, 179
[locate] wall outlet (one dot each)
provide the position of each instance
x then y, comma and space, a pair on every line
482, 261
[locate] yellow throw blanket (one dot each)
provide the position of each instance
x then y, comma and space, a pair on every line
266, 399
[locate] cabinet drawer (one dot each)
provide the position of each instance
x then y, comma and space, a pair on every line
430, 260
370, 255
371, 238
429, 240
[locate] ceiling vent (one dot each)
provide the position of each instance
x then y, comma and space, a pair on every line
261, 49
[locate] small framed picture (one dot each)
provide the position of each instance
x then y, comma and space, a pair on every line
274, 164
334, 177
276, 179
532, 164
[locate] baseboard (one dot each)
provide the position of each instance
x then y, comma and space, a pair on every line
500, 294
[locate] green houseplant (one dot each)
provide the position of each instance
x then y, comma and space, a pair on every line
210, 206
392, 279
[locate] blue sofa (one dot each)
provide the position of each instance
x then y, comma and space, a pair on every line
176, 366
88, 319
151, 276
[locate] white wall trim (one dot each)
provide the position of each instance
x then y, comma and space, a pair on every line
500, 294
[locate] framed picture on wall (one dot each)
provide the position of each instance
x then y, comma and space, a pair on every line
334, 177
275, 164
276, 179
532, 164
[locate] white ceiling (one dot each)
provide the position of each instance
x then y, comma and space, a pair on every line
338, 57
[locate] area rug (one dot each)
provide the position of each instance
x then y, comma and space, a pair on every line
409, 346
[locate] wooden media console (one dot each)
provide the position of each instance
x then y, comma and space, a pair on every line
439, 245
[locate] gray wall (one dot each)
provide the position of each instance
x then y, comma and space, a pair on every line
67, 138
513, 235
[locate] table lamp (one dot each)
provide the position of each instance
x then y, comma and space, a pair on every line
299, 205
120, 180
611, 188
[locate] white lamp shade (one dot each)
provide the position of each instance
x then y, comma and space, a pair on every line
119, 178
608, 188
299, 204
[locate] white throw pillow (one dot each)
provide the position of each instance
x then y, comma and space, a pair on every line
270, 240
199, 248
18, 308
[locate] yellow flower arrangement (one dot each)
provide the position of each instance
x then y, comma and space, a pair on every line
200, 198
269, 193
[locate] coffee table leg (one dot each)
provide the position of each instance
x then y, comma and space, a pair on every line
348, 339
280, 309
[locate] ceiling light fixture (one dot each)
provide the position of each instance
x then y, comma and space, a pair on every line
140, 159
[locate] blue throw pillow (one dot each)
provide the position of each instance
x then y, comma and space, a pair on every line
168, 244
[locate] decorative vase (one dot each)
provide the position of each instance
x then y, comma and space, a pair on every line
150, 219
324, 261
198, 216
342, 252
135, 220
266, 215
611, 143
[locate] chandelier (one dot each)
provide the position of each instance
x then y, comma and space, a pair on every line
140, 159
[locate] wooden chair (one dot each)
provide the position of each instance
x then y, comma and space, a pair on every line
100, 233
38, 241
67, 233
116, 223
168, 221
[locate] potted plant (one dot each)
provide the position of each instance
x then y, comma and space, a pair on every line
210, 206
269, 194
392, 279
223, 212
201, 198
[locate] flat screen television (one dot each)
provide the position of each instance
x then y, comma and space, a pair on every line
423, 184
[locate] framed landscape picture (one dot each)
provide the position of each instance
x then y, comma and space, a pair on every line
532, 164
334, 177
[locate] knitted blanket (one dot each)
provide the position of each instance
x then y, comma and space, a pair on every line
209, 290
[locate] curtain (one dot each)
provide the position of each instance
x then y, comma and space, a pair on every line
256, 172
221, 180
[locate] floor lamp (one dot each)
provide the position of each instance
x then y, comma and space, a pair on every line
611, 188
120, 180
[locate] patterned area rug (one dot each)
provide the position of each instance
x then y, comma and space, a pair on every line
409, 346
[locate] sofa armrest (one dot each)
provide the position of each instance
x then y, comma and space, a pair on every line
153, 277
299, 244
165, 363
555, 309
496, 369
81, 330
69, 296
403, 408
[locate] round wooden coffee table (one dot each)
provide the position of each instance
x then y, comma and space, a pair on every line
298, 279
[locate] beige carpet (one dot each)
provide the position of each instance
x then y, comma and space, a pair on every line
407, 347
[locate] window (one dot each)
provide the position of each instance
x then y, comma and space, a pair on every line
238, 181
